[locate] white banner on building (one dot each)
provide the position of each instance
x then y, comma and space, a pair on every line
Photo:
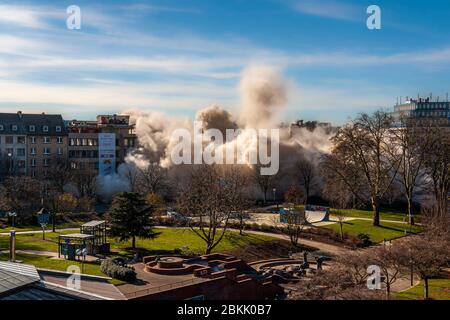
106, 153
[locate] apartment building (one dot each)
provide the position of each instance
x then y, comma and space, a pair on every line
424, 109
100, 145
31, 143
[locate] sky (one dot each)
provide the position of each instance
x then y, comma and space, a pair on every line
180, 56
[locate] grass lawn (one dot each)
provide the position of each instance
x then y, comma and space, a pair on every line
49, 227
387, 230
168, 240
60, 265
439, 290
384, 214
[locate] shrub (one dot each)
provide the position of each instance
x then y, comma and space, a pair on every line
117, 268
364, 240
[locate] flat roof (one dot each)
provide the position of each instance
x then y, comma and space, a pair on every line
93, 223
77, 236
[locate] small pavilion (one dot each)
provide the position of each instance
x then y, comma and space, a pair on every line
75, 245
91, 240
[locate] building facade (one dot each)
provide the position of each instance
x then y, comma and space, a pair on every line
424, 109
31, 143
100, 145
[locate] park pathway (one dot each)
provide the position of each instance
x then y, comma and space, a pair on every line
39, 231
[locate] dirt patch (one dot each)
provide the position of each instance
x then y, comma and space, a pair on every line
266, 250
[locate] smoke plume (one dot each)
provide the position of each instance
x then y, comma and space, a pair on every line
263, 95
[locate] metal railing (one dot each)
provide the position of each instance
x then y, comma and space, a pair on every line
165, 287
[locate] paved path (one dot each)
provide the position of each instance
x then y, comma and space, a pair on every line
324, 247
39, 231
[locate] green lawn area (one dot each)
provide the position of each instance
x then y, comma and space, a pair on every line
384, 214
168, 240
387, 230
60, 265
439, 290
33, 228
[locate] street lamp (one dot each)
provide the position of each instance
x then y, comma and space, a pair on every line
9, 163
274, 195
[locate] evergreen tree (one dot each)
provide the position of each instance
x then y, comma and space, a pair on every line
130, 217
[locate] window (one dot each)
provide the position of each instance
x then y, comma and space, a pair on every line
32, 150
21, 152
71, 142
59, 140
21, 140
33, 174
58, 128
60, 151
9, 140
21, 163
45, 128
47, 140
1, 127
32, 139
46, 151
9, 152
32, 128
46, 162
14, 127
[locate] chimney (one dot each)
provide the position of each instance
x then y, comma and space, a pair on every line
19, 113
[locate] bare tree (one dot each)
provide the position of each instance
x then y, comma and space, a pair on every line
363, 149
437, 165
293, 195
264, 182
346, 280
153, 178
21, 194
338, 194
208, 200
412, 141
86, 182
306, 175
391, 261
295, 223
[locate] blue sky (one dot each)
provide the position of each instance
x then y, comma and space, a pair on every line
181, 56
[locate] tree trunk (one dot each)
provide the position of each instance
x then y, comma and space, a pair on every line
208, 250
410, 216
376, 211
133, 243
425, 288
388, 291
53, 222
342, 230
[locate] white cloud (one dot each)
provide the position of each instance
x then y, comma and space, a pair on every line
115, 95
327, 8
